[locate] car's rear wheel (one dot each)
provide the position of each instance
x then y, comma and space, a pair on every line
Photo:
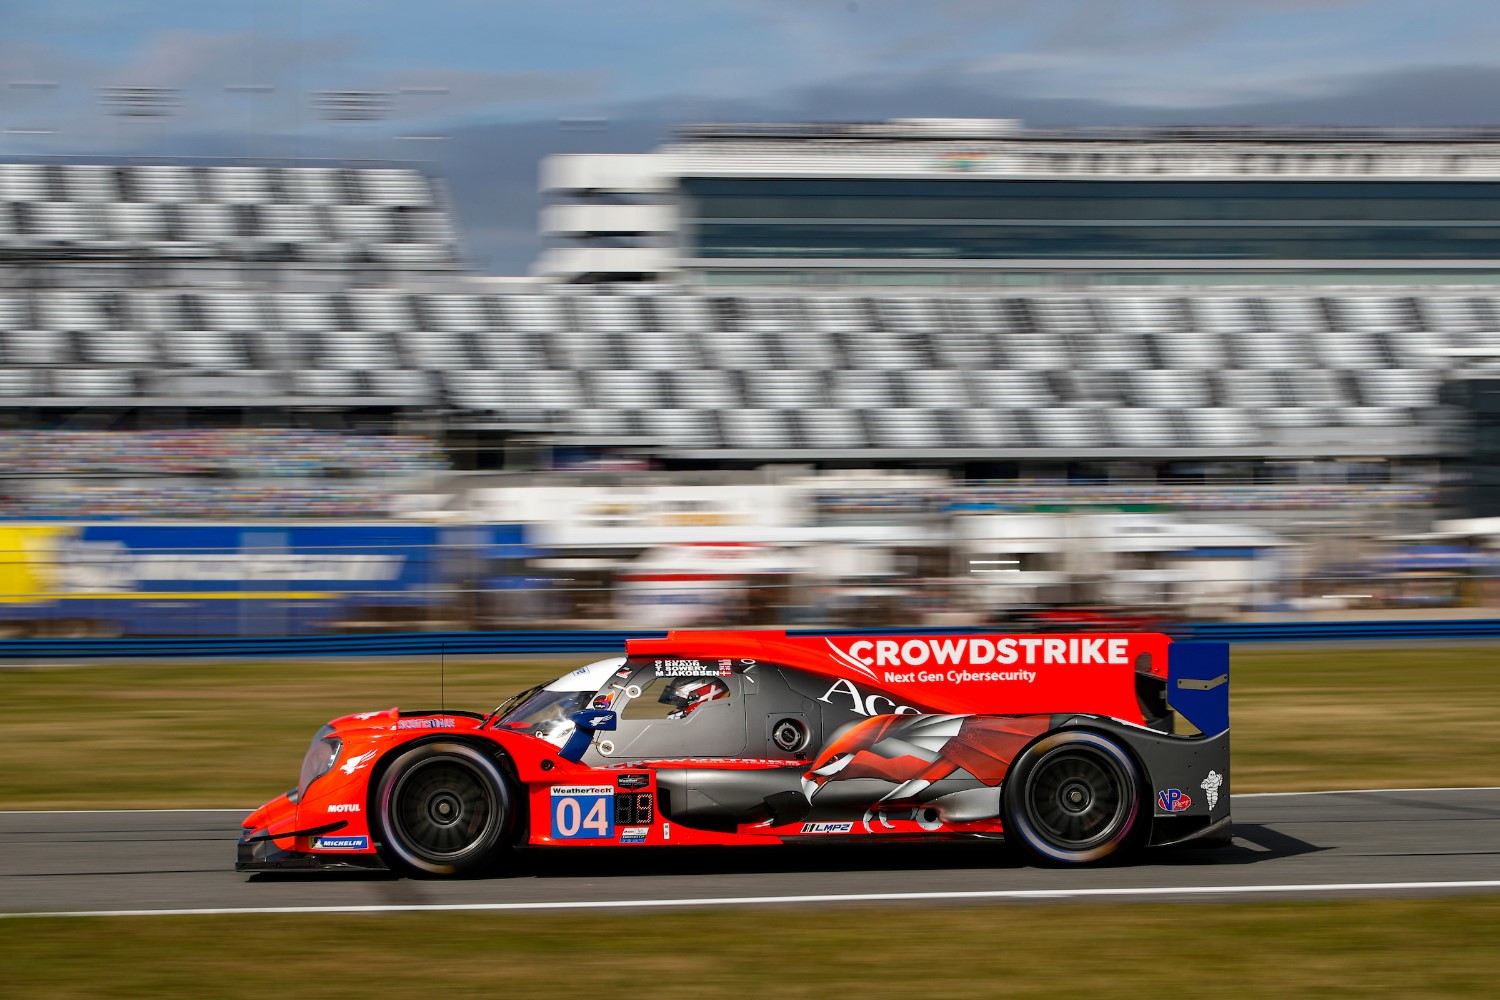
1073, 798
444, 810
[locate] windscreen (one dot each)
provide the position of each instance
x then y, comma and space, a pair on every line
546, 712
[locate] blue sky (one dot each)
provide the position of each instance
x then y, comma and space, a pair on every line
508, 72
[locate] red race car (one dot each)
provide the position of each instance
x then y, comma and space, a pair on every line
1075, 748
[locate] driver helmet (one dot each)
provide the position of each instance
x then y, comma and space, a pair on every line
686, 694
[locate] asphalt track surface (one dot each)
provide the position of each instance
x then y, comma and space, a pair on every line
1295, 845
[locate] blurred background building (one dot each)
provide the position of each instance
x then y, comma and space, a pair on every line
906, 372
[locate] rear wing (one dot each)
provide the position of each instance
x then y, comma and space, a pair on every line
1198, 684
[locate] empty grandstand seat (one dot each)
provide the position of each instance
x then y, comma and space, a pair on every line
736, 349
509, 349
1373, 313
1226, 314
1068, 427
389, 311
478, 390
1199, 350
586, 349
608, 313
164, 183
706, 387
356, 350
1011, 390
434, 350
601, 422
824, 427
313, 185
838, 314
1157, 387
395, 187
550, 390
120, 347
1294, 416
681, 427
626, 388
807, 349
1373, 416
661, 350
107, 382
1220, 427
756, 429
1348, 350
785, 389
325, 382
935, 388
36, 347
1295, 313
1317, 387
683, 313
1142, 427
862, 390
23, 382
401, 383
1252, 389
905, 427
530, 313
986, 427
1396, 387
203, 349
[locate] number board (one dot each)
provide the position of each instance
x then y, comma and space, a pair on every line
583, 812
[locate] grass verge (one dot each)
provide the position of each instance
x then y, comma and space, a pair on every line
1389, 948
225, 734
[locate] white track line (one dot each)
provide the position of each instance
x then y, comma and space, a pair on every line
1238, 795
1366, 791
69, 812
861, 897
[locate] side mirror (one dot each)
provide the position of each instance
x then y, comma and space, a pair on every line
585, 725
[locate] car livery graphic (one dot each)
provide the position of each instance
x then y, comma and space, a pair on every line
1071, 748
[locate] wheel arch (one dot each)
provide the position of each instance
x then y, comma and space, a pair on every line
520, 806
1097, 727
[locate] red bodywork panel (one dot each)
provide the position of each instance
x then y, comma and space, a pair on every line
981, 673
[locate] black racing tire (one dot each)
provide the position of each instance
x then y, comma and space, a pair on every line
1073, 798
444, 811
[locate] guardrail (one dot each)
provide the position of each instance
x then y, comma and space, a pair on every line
563, 642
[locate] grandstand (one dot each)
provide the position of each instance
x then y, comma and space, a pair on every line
759, 376
159, 295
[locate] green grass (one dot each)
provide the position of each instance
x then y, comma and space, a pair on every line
224, 734
1388, 948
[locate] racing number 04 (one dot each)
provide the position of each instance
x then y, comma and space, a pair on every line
582, 813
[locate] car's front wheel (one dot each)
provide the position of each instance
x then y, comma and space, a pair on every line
444, 809
1073, 798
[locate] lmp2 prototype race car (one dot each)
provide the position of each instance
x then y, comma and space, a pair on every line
1073, 748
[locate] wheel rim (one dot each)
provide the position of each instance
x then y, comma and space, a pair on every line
442, 809
1078, 798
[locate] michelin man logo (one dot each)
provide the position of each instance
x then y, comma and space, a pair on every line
1210, 786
